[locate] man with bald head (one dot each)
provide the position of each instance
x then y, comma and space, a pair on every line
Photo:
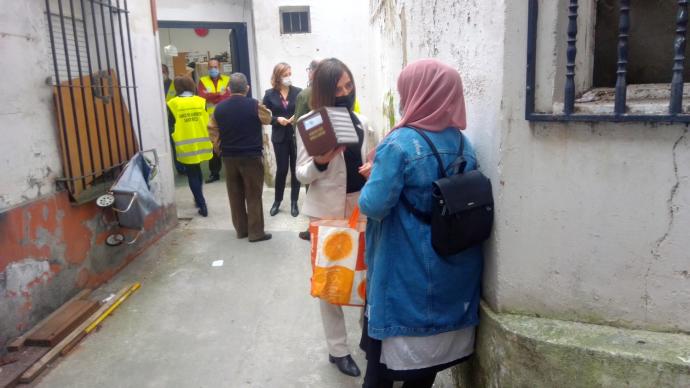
236, 130
214, 88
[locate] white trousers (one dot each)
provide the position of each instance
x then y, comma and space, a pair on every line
332, 315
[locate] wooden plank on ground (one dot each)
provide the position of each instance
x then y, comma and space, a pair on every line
26, 357
54, 330
18, 343
75, 335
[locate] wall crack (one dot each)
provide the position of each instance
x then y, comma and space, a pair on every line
672, 209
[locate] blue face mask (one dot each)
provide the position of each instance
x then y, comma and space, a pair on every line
213, 73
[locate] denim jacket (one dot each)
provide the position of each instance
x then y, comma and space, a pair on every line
411, 291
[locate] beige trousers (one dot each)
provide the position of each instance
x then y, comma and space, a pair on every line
332, 315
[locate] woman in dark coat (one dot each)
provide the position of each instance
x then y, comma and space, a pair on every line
280, 99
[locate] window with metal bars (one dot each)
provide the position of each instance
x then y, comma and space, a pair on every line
294, 20
619, 61
94, 90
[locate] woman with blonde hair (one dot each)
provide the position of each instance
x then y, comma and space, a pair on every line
280, 100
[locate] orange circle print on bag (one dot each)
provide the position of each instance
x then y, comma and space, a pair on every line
338, 246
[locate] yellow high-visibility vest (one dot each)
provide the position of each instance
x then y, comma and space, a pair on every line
192, 143
355, 108
223, 82
171, 92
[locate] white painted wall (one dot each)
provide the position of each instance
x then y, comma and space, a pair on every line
29, 154
154, 119
592, 220
337, 30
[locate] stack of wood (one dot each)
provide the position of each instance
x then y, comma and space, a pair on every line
56, 335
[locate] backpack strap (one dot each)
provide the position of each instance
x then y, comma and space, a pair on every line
459, 168
441, 169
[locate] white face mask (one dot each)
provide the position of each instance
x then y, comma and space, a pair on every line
287, 81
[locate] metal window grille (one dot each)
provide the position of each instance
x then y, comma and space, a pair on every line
94, 90
674, 113
294, 20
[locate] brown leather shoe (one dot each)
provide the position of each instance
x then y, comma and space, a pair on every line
266, 237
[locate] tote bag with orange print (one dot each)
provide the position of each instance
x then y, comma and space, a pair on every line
337, 258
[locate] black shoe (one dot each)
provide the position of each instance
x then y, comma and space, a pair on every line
266, 236
275, 208
294, 210
305, 235
346, 365
213, 178
203, 210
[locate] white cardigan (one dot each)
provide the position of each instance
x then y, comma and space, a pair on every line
327, 189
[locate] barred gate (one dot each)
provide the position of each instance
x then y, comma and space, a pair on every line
95, 92
674, 113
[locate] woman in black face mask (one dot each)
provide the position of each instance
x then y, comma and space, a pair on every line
335, 180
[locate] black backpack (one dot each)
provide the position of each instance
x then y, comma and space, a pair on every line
462, 212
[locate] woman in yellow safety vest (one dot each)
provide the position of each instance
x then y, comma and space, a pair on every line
192, 143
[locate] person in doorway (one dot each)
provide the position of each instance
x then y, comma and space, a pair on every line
214, 88
280, 99
192, 142
168, 86
334, 184
302, 107
422, 309
169, 93
236, 130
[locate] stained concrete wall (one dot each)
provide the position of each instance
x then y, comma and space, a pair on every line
591, 219
50, 248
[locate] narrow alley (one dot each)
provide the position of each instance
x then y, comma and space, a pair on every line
505, 185
247, 323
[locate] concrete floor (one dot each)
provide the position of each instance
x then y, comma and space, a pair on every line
249, 323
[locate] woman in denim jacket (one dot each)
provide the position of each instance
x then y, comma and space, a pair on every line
422, 309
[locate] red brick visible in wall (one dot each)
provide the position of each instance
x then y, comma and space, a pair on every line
46, 228
69, 236
96, 279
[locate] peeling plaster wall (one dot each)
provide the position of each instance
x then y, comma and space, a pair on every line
592, 219
50, 248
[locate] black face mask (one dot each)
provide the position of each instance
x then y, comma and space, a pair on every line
346, 101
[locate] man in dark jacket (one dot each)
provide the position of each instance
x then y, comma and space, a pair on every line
236, 131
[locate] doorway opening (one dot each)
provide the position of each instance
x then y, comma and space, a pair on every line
185, 49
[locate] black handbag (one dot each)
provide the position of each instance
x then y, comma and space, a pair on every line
462, 212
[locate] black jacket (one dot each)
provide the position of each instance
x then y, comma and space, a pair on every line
272, 100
